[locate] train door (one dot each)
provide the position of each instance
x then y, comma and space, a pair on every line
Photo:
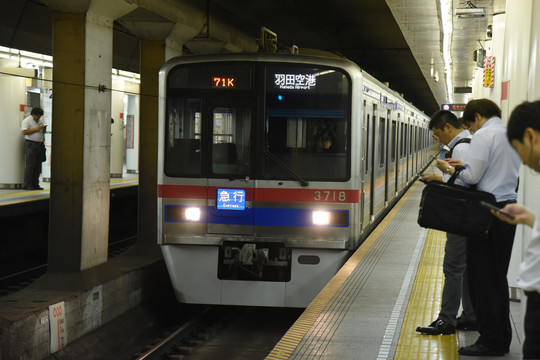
379, 164
230, 188
373, 157
367, 195
392, 160
410, 152
387, 167
416, 147
399, 154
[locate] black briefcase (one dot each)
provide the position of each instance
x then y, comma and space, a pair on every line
455, 209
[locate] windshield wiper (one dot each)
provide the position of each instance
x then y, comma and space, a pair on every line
239, 173
286, 168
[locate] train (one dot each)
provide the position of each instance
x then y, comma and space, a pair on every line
273, 169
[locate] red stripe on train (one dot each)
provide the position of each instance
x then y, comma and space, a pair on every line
265, 194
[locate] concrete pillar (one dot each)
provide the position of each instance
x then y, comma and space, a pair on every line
65, 224
152, 58
12, 104
79, 207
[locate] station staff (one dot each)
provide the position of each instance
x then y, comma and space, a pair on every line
493, 166
524, 135
33, 129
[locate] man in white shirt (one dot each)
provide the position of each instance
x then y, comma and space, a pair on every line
33, 129
493, 166
524, 135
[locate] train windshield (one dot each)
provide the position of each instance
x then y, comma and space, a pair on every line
258, 120
306, 123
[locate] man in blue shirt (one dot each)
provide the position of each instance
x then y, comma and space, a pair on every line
493, 166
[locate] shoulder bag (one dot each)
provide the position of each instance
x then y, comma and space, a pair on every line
455, 209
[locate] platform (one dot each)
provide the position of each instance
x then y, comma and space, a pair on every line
14, 196
371, 308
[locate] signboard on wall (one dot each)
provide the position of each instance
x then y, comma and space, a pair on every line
453, 107
489, 71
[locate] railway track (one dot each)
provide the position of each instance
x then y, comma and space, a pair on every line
224, 332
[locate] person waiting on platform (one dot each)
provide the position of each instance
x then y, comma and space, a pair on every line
493, 166
524, 135
33, 129
447, 129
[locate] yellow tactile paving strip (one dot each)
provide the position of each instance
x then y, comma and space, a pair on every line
286, 346
424, 305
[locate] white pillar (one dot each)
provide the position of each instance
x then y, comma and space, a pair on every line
516, 53
515, 72
97, 141
12, 101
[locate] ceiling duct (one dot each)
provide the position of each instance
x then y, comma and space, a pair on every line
470, 12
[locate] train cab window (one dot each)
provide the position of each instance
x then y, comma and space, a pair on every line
183, 137
307, 123
230, 141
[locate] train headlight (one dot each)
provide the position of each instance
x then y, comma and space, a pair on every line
192, 214
321, 218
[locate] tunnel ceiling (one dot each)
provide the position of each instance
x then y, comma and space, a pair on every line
366, 32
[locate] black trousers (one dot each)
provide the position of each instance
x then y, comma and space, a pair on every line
487, 268
531, 345
33, 157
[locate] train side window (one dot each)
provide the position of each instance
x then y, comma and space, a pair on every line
382, 141
393, 142
367, 157
230, 141
183, 137
402, 141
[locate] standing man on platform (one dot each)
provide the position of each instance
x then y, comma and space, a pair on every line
33, 129
493, 165
524, 135
448, 130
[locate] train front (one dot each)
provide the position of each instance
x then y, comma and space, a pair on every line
256, 201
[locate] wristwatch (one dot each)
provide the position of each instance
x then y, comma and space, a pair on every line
448, 170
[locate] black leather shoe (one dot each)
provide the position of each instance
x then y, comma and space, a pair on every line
479, 350
38, 188
463, 324
438, 327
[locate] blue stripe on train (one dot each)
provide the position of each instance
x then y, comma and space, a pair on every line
257, 217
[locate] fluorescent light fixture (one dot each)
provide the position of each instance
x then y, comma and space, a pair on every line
470, 12
447, 30
126, 76
26, 59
